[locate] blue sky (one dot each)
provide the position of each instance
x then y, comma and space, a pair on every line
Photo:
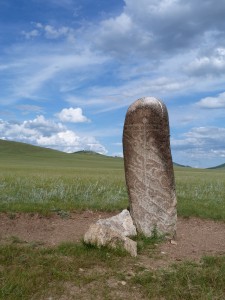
69, 69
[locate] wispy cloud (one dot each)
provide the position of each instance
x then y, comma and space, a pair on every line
31, 34
50, 32
34, 70
27, 108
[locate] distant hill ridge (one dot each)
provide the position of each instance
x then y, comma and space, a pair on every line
12, 149
16, 154
179, 165
88, 152
15, 147
19, 147
217, 167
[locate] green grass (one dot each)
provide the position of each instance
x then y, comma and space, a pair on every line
34, 179
186, 281
28, 272
38, 179
43, 180
201, 193
76, 271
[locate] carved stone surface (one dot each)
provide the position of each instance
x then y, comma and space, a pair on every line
149, 168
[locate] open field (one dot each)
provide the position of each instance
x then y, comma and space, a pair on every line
76, 271
53, 183
38, 179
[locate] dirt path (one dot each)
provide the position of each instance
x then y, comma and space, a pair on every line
195, 237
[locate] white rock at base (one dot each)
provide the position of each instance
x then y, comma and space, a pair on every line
122, 223
113, 232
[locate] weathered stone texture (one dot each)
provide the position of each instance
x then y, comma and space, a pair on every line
122, 223
149, 168
113, 232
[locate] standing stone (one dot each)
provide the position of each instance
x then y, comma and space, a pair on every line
149, 167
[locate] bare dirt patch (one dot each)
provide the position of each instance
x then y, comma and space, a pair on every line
195, 237
51, 230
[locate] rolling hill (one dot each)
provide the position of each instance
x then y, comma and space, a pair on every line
26, 155
217, 167
179, 165
17, 153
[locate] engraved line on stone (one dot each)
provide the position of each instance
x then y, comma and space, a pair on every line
164, 213
160, 198
164, 210
134, 167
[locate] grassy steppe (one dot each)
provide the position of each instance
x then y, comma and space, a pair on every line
37, 179
76, 271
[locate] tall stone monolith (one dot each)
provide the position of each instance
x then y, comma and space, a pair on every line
149, 167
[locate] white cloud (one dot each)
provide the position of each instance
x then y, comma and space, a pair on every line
155, 42
73, 115
155, 48
68, 141
213, 102
157, 29
119, 25
48, 133
200, 147
31, 34
120, 36
212, 63
217, 153
53, 33
201, 140
118, 154
50, 32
